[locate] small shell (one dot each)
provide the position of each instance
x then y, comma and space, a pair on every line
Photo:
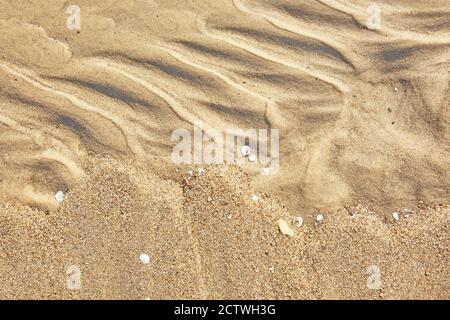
245, 150
145, 259
299, 221
319, 218
254, 197
284, 228
396, 216
59, 196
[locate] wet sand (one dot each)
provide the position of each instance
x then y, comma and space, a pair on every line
364, 132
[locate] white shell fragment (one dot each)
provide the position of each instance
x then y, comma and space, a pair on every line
254, 197
396, 216
284, 228
395, 89
245, 150
319, 218
298, 221
145, 259
59, 196
252, 158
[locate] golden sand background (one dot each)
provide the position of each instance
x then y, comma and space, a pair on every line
363, 118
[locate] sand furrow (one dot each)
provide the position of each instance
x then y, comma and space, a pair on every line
170, 100
303, 29
337, 83
42, 85
268, 103
182, 112
184, 59
63, 155
360, 15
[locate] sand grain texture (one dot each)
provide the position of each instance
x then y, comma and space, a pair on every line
364, 131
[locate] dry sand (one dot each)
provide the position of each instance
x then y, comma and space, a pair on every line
364, 132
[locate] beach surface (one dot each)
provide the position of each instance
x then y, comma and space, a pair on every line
363, 116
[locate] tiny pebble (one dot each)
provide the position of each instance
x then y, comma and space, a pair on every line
59, 196
395, 89
319, 218
396, 216
284, 228
299, 221
144, 258
254, 197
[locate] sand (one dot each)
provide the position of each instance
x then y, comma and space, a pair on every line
364, 126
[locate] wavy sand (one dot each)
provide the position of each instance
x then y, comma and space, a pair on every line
363, 118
